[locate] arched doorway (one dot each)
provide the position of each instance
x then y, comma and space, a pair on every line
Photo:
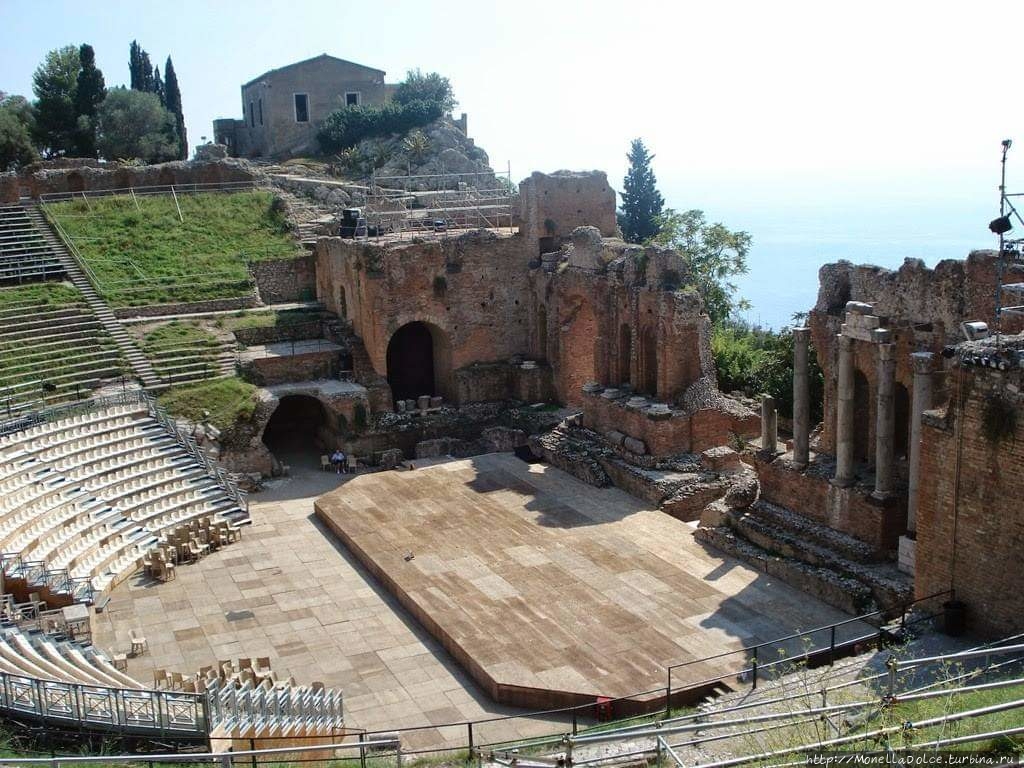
417, 361
901, 436
542, 332
863, 447
298, 426
625, 355
649, 361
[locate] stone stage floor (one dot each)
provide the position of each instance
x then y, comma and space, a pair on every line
320, 615
550, 592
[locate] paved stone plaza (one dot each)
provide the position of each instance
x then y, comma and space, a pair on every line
321, 617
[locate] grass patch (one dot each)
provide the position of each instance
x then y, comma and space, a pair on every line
268, 319
148, 256
173, 345
226, 400
42, 295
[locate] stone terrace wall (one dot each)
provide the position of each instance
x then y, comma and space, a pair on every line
284, 280
970, 530
115, 176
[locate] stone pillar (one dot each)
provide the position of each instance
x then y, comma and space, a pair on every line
844, 414
801, 398
885, 421
769, 424
921, 402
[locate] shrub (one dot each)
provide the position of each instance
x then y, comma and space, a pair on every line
757, 360
348, 126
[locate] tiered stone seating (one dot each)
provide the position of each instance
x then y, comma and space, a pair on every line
92, 494
25, 255
52, 354
181, 363
45, 657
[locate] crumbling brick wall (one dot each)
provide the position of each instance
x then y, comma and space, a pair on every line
970, 524
922, 307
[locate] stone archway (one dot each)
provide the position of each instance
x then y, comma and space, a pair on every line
299, 425
625, 360
863, 434
418, 361
649, 361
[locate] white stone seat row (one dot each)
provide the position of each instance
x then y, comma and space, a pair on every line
44, 658
91, 495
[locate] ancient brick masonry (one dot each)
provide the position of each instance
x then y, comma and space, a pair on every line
970, 517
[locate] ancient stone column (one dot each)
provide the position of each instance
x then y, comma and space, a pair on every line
885, 421
844, 414
769, 424
921, 402
801, 398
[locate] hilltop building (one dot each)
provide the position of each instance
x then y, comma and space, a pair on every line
283, 109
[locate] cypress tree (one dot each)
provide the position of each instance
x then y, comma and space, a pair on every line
173, 104
158, 87
641, 201
135, 66
89, 95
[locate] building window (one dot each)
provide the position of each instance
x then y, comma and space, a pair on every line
252, 116
301, 108
352, 99
261, 110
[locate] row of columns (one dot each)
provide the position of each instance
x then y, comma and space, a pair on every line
885, 415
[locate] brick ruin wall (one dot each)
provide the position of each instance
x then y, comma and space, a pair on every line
970, 526
923, 308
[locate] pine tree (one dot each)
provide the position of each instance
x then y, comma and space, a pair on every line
55, 83
89, 95
173, 103
641, 201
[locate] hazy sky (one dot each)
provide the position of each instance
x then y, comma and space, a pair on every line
791, 120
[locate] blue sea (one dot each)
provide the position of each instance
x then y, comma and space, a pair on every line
789, 246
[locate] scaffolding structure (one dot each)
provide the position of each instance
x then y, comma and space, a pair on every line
434, 206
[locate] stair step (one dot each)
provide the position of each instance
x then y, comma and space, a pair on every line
803, 531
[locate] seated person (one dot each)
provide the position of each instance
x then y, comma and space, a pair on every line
338, 460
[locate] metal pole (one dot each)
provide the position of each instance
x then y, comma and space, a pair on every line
754, 668
832, 647
668, 694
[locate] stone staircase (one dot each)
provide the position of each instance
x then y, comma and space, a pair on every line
76, 274
832, 566
195, 362
310, 219
25, 253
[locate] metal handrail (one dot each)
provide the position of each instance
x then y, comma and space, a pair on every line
156, 189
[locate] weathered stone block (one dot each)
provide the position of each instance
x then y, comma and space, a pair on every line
720, 459
633, 445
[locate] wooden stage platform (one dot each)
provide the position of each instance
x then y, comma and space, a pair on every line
550, 592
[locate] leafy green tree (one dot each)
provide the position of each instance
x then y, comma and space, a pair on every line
16, 147
132, 124
55, 84
431, 87
348, 126
172, 101
756, 360
713, 254
89, 94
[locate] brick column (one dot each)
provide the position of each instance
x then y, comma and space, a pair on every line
801, 398
921, 402
844, 414
885, 421
769, 425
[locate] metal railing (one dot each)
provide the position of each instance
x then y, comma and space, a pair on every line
159, 713
156, 189
292, 708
